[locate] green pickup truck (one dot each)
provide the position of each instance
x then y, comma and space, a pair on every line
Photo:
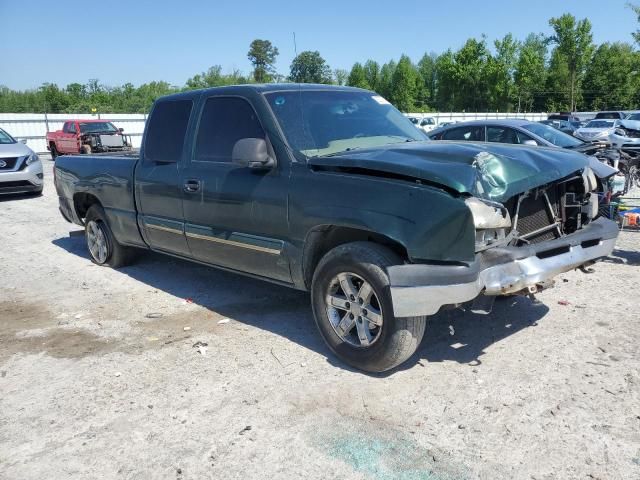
332, 190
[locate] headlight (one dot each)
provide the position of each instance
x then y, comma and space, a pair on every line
488, 214
33, 158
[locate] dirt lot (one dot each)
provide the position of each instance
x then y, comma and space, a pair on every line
99, 376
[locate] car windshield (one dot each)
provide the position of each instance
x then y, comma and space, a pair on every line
633, 116
550, 134
325, 122
5, 138
92, 127
600, 124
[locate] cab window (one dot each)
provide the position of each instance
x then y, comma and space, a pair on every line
224, 121
471, 133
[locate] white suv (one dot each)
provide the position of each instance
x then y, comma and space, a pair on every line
20, 167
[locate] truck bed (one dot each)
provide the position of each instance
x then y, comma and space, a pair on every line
109, 177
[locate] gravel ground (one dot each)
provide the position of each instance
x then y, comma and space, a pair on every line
101, 375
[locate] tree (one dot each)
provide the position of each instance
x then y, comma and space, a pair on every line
607, 82
371, 73
575, 44
530, 73
404, 83
340, 76
447, 80
385, 79
263, 57
310, 67
427, 80
214, 77
501, 71
357, 77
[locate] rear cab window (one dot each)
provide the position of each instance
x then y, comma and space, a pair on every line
165, 136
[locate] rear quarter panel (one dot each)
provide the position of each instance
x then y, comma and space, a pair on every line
109, 178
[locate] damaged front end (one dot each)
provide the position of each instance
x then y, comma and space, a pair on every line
521, 244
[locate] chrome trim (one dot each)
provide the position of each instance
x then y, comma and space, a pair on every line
257, 248
163, 229
503, 279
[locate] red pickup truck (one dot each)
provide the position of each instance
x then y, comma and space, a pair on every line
87, 136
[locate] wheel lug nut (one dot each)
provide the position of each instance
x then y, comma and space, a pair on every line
347, 305
360, 301
352, 297
364, 312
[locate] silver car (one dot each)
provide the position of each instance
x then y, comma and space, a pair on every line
20, 167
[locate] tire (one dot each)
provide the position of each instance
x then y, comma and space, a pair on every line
375, 345
103, 248
53, 150
85, 149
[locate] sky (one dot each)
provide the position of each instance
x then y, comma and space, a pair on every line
141, 41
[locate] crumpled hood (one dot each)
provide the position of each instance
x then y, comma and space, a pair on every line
488, 170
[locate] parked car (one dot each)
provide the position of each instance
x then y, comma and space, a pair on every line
20, 167
633, 116
598, 130
332, 190
524, 132
87, 136
427, 123
567, 116
610, 116
564, 126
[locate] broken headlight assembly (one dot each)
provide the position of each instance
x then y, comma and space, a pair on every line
491, 220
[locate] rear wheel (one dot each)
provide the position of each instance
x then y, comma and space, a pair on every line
353, 309
53, 150
104, 249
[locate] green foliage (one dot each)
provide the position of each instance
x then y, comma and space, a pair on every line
262, 55
574, 46
357, 77
636, 10
310, 67
340, 76
404, 85
607, 83
530, 73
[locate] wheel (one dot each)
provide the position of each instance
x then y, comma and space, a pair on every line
353, 309
86, 149
104, 249
54, 151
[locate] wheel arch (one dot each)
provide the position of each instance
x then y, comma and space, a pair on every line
323, 238
82, 201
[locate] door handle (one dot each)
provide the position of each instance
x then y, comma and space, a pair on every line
191, 186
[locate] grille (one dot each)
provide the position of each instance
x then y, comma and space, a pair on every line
534, 215
10, 163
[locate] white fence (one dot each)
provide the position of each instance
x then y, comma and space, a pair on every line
34, 126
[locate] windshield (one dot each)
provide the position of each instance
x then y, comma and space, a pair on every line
550, 134
5, 138
600, 124
93, 127
324, 122
633, 116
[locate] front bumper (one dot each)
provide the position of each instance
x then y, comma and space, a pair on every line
419, 289
29, 179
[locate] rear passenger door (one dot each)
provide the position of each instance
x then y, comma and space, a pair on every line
158, 184
235, 216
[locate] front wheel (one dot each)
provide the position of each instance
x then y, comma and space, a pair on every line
353, 309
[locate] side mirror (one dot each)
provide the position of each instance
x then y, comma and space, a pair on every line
531, 143
121, 130
252, 153
23, 140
